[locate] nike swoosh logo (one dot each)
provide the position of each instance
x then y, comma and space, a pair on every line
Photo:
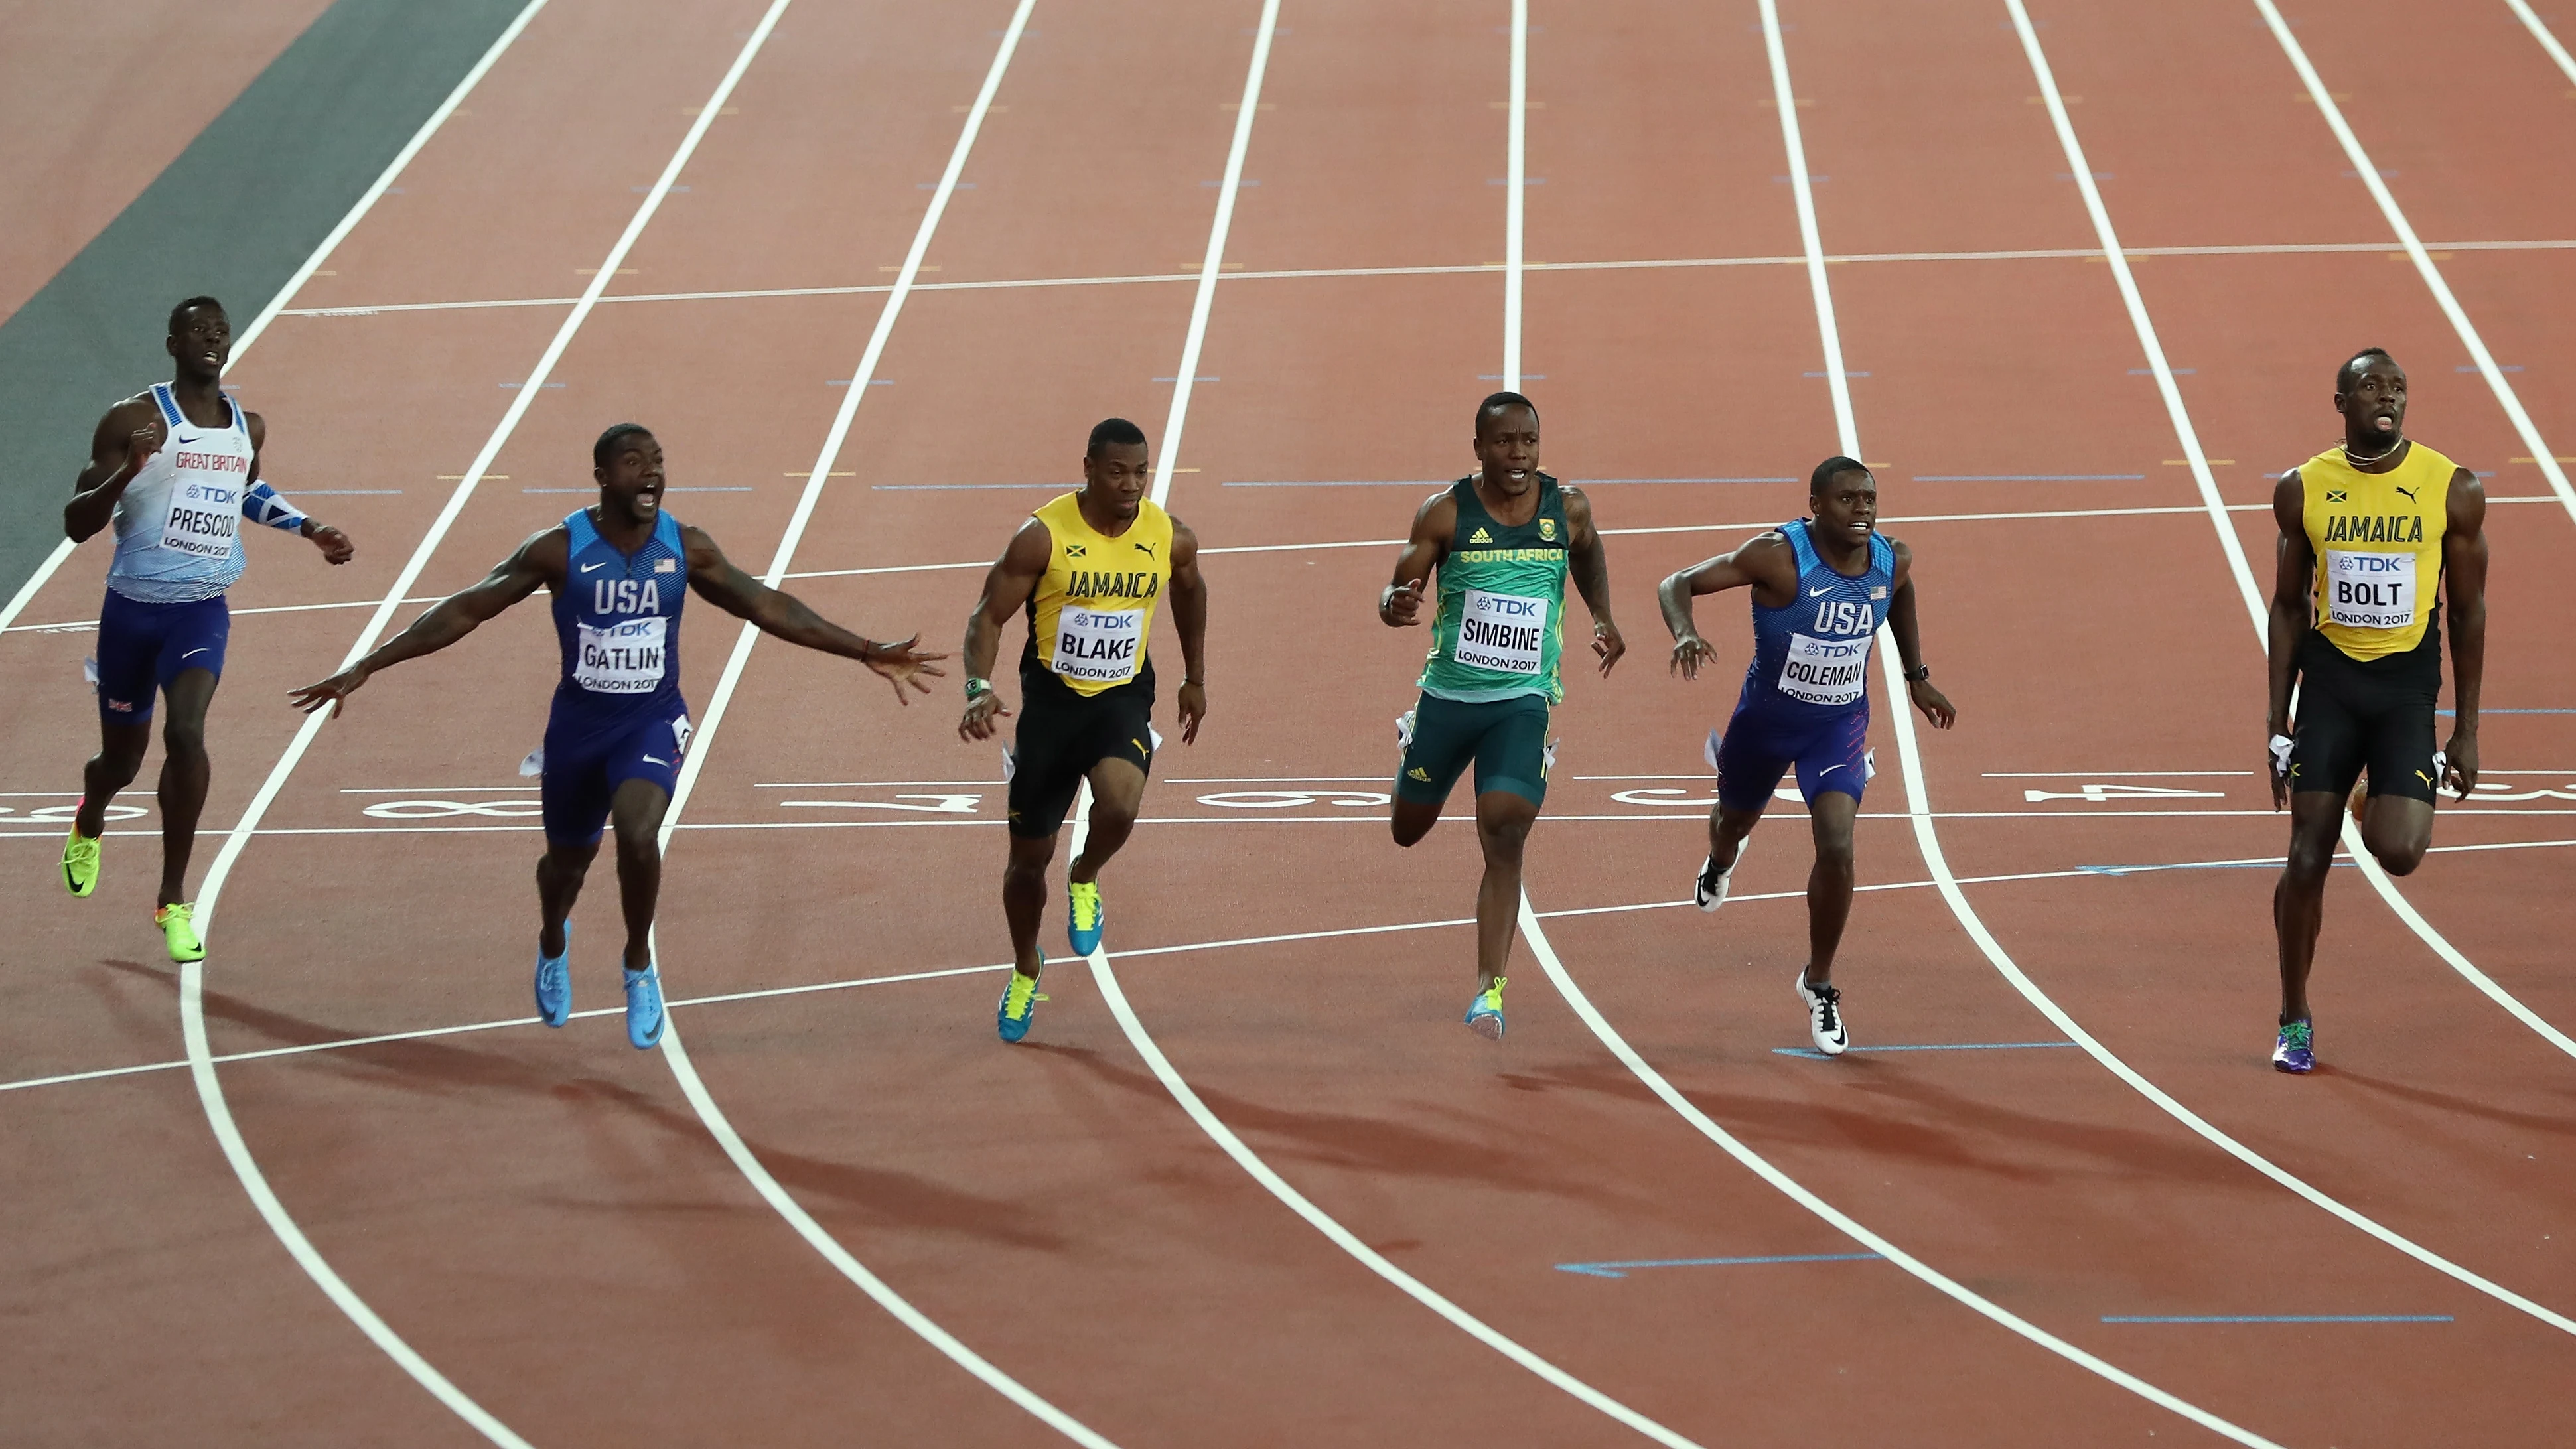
586, 568
1820, 593
650, 760
1829, 769
193, 653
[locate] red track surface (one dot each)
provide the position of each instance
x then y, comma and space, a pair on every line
546, 1219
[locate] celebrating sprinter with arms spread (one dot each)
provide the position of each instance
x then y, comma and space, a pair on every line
2369, 530
1086, 569
1502, 539
175, 469
620, 572
1821, 586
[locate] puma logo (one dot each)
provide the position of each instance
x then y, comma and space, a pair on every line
2410, 497
1146, 549
2427, 779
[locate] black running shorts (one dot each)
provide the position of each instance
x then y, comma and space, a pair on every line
2375, 714
1063, 734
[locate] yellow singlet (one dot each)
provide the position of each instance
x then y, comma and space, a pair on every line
1090, 613
2378, 542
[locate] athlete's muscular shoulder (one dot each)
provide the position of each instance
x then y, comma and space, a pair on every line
1578, 512
545, 554
1903, 571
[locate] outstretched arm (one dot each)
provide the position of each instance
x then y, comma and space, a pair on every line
2294, 566
1590, 565
124, 440
721, 582
1760, 563
533, 564
1399, 604
2464, 590
1189, 615
1007, 586
1935, 705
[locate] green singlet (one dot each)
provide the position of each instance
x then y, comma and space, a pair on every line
1500, 626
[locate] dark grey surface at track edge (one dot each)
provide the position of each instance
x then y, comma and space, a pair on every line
234, 216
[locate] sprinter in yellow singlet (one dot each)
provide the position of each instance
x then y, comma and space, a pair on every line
1088, 570
2371, 530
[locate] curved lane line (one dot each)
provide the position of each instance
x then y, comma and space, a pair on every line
676, 1055
2189, 437
2415, 252
1918, 800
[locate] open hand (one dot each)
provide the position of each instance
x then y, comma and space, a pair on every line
1690, 652
901, 664
334, 691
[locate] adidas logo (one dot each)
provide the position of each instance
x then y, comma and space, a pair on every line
1480, 536
1418, 773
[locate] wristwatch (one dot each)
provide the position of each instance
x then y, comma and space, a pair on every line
1921, 675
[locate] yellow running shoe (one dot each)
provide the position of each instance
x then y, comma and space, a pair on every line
179, 924
80, 863
1083, 916
1020, 998
1485, 1013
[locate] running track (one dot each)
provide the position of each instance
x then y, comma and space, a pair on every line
546, 1224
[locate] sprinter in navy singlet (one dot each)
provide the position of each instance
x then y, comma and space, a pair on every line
620, 572
1822, 587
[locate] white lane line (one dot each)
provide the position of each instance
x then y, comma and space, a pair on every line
192, 976
1325, 273
674, 1053
1106, 978
1211, 267
1928, 840
2421, 256
765, 993
2531, 21
1841, 1221
295, 283
2248, 591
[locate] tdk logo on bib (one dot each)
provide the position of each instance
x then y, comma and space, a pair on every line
1502, 632
1825, 671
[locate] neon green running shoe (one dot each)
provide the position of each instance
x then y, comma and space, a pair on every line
1020, 998
179, 924
1485, 1013
80, 863
1083, 915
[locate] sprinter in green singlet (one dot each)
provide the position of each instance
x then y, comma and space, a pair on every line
1502, 540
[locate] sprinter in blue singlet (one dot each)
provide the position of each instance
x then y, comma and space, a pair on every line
620, 571
1822, 587
174, 470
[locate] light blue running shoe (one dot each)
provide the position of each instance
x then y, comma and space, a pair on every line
554, 983
1485, 1013
1020, 998
644, 1008
1083, 915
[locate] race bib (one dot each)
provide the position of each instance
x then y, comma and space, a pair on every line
2370, 590
203, 515
1825, 671
625, 658
1502, 632
1099, 645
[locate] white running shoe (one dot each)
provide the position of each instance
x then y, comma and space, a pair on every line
1824, 1015
1710, 889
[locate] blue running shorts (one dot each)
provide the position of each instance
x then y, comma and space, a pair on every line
1830, 754
584, 765
142, 647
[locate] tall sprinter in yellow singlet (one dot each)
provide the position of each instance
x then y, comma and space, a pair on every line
1087, 570
2371, 531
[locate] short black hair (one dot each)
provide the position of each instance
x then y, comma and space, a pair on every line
1113, 433
1497, 402
179, 314
606, 447
1823, 477
2353, 367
